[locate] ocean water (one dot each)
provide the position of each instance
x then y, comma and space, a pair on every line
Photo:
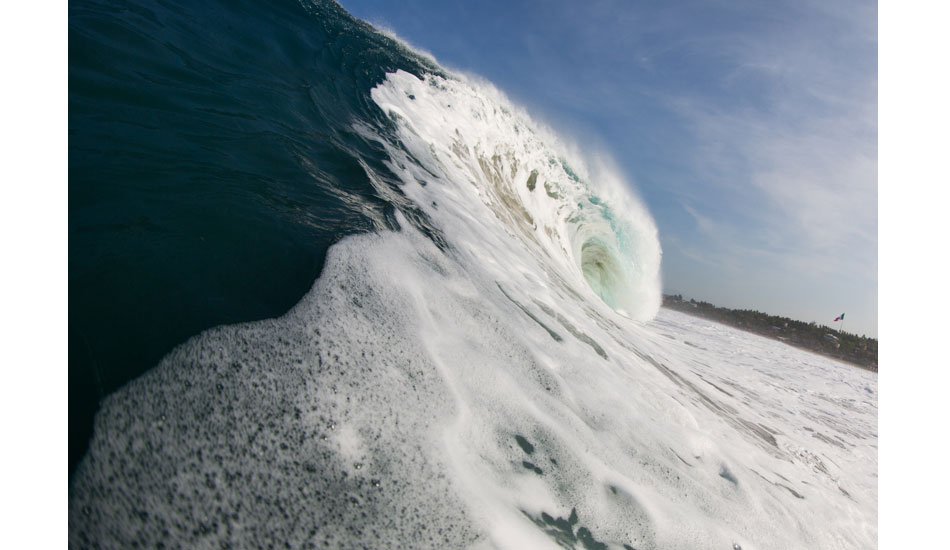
325, 293
212, 161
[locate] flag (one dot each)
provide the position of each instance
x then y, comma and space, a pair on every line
840, 317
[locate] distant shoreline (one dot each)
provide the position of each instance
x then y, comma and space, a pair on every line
859, 351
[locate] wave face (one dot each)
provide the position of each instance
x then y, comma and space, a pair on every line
212, 162
486, 368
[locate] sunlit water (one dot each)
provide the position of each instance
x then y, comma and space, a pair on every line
489, 369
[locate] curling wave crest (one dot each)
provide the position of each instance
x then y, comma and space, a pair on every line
481, 378
480, 166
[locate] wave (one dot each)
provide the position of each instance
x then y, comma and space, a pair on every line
481, 166
478, 372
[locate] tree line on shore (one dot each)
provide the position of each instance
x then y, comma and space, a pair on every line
858, 350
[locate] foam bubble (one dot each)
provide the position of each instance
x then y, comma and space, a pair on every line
472, 391
511, 177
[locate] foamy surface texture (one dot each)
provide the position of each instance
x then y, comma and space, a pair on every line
486, 377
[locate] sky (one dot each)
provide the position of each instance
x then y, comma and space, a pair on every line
749, 128
914, 174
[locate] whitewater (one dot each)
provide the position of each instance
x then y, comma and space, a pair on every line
495, 373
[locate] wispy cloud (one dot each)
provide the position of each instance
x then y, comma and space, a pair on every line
750, 128
799, 164
770, 138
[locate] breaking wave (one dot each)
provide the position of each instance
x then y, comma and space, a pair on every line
479, 165
481, 370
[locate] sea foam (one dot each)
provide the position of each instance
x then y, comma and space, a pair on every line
500, 174
480, 379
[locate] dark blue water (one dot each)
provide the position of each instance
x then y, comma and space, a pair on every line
212, 162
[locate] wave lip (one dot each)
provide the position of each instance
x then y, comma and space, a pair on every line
463, 386
460, 145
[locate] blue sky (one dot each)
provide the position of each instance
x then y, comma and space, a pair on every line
749, 128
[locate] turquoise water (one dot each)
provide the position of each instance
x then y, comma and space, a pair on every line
325, 294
